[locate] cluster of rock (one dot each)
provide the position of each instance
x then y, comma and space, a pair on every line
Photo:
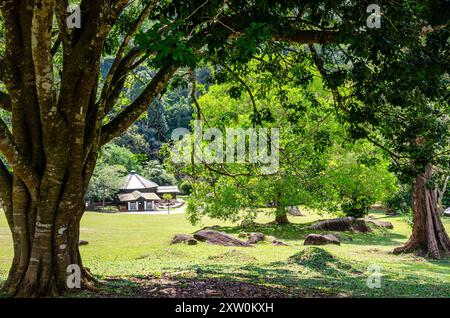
255, 237
218, 238
209, 236
212, 236
343, 224
347, 223
384, 224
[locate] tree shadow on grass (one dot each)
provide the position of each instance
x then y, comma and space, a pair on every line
312, 272
332, 279
378, 237
442, 266
295, 231
172, 286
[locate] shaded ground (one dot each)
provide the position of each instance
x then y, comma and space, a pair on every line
172, 287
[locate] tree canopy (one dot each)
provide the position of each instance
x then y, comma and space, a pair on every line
389, 85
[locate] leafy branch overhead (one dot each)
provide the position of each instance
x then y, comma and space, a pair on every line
390, 83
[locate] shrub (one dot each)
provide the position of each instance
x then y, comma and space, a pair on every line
186, 187
357, 207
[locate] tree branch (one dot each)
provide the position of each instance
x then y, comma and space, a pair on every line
129, 35
57, 43
131, 113
41, 44
5, 102
119, 79
6, 190
65, 34
2, 69
21, 166
309, 37
9, 65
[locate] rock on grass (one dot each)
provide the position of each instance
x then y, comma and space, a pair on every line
383, 224
183, 238
218, 238
347, 223
294, 211
256, 237
278, 243
319, 239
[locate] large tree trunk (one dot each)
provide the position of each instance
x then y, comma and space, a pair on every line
45, 227
57, 128
428, 237
44, 248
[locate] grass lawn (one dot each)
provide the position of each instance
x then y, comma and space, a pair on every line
133, 246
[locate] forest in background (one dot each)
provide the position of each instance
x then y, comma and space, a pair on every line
356, 95
322, 166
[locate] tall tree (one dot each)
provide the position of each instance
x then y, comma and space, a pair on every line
59, 105
391, 85
51, 73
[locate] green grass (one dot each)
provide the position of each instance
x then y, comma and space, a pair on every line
124, 246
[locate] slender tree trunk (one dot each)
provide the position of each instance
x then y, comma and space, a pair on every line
428, 237
281, 219
281, 216
281, 208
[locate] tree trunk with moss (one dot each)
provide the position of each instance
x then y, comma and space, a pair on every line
428, 237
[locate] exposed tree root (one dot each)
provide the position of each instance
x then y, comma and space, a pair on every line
428, 237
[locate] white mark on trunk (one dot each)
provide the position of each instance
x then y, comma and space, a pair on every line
44, 226
34, 260
61, 230
62, 246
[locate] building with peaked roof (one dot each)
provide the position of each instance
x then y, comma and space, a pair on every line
140, 194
